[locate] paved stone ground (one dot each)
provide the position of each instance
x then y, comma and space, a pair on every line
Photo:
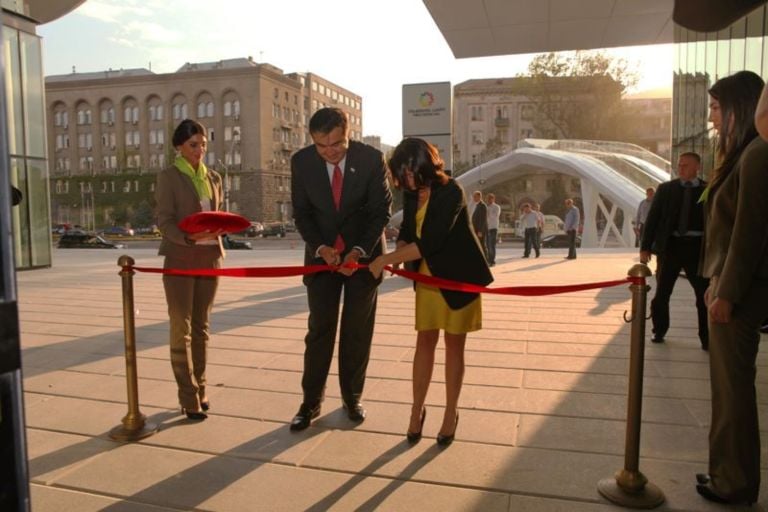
542, 409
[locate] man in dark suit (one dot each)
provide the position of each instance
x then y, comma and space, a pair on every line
479, 216
673, 231
341, 204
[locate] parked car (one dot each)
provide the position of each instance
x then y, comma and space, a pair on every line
274, 229
60, 229
86, 241
231, 243
149, 230
559, 240
254, 230
117, 231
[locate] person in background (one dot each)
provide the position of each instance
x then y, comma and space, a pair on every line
341, 204
761, 123
673, 231
436, 238
572, 220
540, 225
494, 213
16, 196
479, 218
642, 213
530, 223
736, 262
185, 188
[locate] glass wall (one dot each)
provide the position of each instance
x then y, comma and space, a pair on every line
24, 89
700, 60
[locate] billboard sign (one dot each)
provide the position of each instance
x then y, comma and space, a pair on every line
427, 113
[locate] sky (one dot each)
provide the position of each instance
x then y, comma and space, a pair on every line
369, 47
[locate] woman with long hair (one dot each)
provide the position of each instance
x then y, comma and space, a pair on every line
436, 237
736, 261
184, 188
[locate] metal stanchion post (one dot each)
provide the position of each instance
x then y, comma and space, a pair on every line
629, 487
134, 426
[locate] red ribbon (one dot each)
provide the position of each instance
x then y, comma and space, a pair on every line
438, 282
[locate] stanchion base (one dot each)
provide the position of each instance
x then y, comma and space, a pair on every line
120, 433
650, 497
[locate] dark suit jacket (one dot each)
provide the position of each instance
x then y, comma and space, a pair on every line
480, 218
447, 242
736, 241
365, 200
664, 214
176, 198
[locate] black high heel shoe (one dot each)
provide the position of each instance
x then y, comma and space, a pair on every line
205, 405
194, 415
415, 437
446, 440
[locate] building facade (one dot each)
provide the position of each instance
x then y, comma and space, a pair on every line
700, 60
110, 132
650, 124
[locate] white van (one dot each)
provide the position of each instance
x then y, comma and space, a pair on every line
552, 226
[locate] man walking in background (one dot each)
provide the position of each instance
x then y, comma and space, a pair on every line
530, 223
642, 213
572, 220
479, 216
494, 213
540, 225
673, 231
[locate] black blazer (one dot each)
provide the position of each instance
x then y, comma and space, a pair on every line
665, 212
365, 200
447, 242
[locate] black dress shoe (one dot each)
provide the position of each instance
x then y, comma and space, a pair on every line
446, 440
657, 339
708, 492
205, 405
304, 417
415, 437
355, 411
702, 478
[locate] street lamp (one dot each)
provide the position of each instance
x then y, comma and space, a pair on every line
235, 136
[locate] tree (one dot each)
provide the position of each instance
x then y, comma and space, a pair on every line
144, 215
578, 95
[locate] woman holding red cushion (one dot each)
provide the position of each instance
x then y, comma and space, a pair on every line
185, 188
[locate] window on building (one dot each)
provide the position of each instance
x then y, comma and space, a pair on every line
209, 111
227, 108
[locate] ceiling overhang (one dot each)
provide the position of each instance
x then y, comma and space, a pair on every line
483, 28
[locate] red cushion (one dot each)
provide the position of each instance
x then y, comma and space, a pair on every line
214, 221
